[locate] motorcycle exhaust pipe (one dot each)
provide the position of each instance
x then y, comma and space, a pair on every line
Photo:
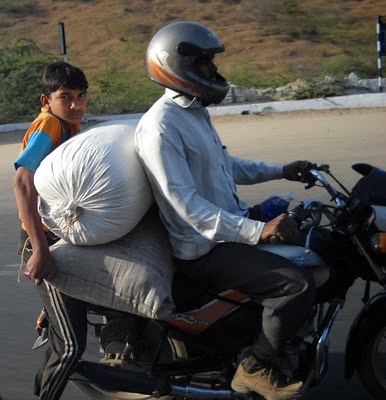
114, 378
196, 392
123, 380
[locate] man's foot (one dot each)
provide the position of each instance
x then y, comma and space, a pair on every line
286, 362
113, 353
112, 359
113, 339
266, 382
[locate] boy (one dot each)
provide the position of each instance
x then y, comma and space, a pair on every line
64, 103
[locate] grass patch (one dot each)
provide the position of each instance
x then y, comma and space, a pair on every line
249, 74
18, 7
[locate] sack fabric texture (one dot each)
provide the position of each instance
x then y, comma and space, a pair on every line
92, 189
132, 274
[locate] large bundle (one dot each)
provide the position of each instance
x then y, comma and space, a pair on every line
92, 188
132, 274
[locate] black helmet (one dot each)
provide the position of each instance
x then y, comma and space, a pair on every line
171, 57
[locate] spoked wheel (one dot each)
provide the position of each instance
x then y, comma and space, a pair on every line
171, 350
372, 367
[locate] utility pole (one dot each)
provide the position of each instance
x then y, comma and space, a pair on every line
381, 47
62, 41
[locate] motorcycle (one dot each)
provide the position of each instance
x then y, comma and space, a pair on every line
194, 353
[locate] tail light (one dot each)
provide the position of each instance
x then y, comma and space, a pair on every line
378, 243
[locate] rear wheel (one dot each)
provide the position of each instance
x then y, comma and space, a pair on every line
171, 350
372, 366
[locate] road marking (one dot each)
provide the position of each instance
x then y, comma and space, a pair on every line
10, 266
8, 273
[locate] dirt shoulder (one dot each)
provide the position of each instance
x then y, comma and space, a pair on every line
295, 114
16, 136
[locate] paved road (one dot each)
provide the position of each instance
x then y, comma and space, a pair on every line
339, 138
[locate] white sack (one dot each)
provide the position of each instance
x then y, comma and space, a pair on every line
93, 188
132, 274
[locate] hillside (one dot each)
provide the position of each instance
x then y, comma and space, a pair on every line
276, 36
268, 42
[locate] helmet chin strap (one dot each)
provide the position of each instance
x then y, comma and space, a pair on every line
180, 95
201, 101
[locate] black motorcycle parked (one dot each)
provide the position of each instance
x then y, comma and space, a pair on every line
194, 353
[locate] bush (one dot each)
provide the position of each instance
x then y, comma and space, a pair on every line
119, 93
21, 68
313, 89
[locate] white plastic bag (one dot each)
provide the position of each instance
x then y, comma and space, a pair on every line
93, 188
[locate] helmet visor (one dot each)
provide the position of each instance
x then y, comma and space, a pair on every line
185, 49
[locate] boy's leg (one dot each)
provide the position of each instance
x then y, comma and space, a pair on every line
67, 340
67, 331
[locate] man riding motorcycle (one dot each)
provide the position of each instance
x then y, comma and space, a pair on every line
212, 232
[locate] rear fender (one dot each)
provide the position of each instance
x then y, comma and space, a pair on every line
374, 308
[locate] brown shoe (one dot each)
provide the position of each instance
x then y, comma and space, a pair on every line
266, 382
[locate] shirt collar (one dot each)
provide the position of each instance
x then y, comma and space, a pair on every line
182, 100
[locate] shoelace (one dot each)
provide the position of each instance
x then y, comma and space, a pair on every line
274, 376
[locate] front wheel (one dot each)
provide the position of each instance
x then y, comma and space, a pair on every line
372, 365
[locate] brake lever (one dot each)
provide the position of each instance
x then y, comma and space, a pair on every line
324, 168
309, 186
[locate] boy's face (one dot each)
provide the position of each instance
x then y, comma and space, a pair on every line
67, 104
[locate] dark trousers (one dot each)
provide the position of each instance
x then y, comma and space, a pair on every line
286, 291
67, 340
67, 332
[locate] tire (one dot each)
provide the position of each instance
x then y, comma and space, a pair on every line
172, 349
372, 364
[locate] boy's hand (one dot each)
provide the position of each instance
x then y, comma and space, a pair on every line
41, 266
281, 227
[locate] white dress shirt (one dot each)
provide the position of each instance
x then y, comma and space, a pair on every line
194, 178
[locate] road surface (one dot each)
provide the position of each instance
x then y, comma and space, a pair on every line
339, 138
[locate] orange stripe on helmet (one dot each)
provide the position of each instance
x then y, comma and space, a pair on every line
168, 79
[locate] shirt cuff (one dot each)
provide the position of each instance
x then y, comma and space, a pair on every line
251, 231
277, 172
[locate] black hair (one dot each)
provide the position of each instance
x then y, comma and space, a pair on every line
61, 74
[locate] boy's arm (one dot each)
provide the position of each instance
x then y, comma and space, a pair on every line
41, 265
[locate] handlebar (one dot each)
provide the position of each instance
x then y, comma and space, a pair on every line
312, 209
311, 173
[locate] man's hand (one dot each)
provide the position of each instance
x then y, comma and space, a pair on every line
41, 266
281, 227
292, 171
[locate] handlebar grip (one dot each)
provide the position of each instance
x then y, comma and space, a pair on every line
297, 214
274, 239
